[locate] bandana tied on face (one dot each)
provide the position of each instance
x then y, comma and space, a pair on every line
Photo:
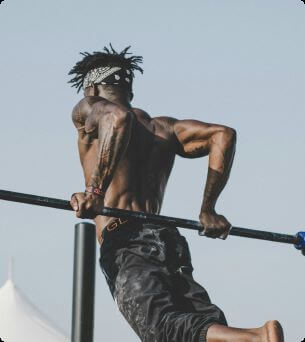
108, 76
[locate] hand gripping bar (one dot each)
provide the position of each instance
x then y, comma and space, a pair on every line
297, 240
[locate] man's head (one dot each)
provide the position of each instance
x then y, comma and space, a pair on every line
108, 70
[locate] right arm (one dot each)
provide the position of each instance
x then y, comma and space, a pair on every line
112, 127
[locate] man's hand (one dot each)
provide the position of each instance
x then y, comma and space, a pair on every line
86, 205
215, 226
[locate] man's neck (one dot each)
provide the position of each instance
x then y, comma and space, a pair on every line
109, 94
116, 98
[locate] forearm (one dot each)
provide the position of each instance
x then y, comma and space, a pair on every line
221, 155
113, 135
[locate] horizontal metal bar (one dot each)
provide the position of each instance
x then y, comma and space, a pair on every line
147, 217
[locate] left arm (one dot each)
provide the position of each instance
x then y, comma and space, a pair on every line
197, 139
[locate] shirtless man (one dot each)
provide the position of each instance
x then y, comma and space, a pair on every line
127, 157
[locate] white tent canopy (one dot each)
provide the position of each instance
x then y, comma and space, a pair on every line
22, 321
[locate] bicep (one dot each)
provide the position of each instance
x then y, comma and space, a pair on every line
194, 137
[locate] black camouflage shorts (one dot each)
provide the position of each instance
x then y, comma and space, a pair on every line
149, 272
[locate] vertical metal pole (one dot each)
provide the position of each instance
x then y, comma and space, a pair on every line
83, 282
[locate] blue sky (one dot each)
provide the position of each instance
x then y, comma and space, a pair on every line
238, 63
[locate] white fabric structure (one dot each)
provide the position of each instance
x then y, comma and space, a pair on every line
22, 321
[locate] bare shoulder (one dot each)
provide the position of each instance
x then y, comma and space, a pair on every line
161, 124
80, 112
141, 114
165, 124
85, 107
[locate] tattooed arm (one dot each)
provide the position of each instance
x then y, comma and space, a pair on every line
197, 139
112, 127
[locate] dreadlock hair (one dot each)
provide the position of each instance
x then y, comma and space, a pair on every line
109, 57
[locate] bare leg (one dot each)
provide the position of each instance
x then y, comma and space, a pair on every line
270, 332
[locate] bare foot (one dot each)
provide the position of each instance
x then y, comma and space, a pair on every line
272, 332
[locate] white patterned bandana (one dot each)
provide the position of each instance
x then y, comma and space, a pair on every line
107, 75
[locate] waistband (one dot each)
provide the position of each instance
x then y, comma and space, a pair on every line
116, 224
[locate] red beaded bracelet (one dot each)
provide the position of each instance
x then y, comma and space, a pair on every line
96, 191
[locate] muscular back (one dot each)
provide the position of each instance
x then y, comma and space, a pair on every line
142, 173
129, 156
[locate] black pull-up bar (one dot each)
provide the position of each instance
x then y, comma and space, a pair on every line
297, 240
